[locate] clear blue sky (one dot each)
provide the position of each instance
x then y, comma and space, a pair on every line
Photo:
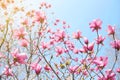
78, 13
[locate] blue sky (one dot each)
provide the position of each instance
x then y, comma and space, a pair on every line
78, 13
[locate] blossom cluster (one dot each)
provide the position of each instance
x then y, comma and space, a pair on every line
36, 48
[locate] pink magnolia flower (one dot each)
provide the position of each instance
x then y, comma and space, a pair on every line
100, 40
77, 35
49, 30
43, 3
51, 42
20, 33
36, 67
85, 72
59, 50
44, 45
39, 17
110, 75
47, 68
116, 44
111, 30
83, 61
46, 5
64, 22
84, 49
55, 24
7, 71
24, 43
76, 51
59, 35
86, 40
25, 22
73, 69
101, 62
19, 57
118, 70
91, 46
87, 48
75, 59
57, 20
95, 24
69, 44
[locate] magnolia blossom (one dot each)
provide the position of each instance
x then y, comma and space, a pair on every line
59, 35
47, 68
39, 17
118, 70
76, 59
69, 44
20, 33
57, 20
90, 46
19, 57
24, 43
76, 51
46, 5
25, 22
36, 67
85, 72
59, 50
77, 35
111, 30
116, 44
73, 69
7, 71
95, 24
44, 45
64, 22
85, 40
108, 76
84, 49
100, 40
101, 62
